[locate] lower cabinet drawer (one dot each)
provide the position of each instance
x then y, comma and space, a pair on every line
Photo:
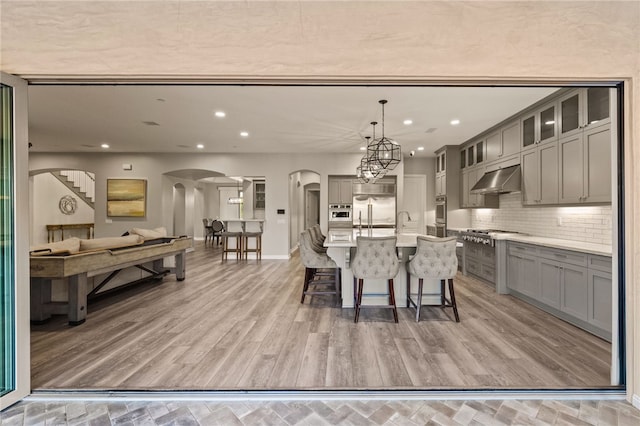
473, 267
488, 272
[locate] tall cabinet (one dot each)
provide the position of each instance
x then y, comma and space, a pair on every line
448, 183
584, 147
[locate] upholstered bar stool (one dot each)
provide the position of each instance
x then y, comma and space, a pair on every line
375, 258
435, 259
317, 239
314, 261
252, 230
233, 229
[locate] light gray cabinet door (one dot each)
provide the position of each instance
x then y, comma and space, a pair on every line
550, 282
548, 173
511, 139
513, 272
571, 169
597, 164
574, 296
346, 191
441, 184
529, 282
600, 299
464, 200
530, 177
494, 146
334, 191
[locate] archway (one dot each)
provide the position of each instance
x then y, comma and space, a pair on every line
179, 209
301, 184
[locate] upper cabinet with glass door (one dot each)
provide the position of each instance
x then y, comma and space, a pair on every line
583, 108
540, 126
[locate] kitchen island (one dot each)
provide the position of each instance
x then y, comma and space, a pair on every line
341, 246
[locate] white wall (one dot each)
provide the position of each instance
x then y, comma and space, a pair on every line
274, 167
46, 192
590, 224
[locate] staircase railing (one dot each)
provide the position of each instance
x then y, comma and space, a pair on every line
80, 182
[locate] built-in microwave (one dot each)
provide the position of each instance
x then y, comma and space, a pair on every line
441, 210
340, 212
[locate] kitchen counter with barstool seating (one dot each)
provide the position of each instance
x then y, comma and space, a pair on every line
341, 245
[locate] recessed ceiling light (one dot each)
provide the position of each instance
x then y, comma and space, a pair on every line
455, 122
363, 148
407, 122
244, 134
199, 146
421, 148
220, 114
105, 145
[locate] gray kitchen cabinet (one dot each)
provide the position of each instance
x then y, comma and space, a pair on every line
510, 139
494, 146
540, 175
441, 183
585, 166
259, 194
480, 261
503, 142
464, 199
584, 108
522, 266
539, 127
574, 292
447, 178
340, 190
549, 277
574, 286
600, 309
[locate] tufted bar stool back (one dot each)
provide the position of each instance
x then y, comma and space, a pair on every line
313, 263
375, 258
435, 259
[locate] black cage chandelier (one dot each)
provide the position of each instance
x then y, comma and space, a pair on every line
383, 155
369, 171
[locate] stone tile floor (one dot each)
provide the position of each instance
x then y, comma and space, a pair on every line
333, 412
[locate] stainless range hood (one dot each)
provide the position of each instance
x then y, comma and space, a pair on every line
499, 181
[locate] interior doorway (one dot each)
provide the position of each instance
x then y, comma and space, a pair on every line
312, 205
179, 210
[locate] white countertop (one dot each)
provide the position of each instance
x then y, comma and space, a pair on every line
590, 248
348, 237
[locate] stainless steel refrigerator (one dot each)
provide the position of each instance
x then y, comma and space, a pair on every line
383, 210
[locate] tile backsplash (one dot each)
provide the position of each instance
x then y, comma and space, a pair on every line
591, 224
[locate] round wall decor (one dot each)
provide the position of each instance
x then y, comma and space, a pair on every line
68, 204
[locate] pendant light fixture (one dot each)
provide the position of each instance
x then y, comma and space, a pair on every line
384, 153
370, 171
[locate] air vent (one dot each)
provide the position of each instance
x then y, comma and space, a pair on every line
183, 146
430, 130
88, 146
150, 123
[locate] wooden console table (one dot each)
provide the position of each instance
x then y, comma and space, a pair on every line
51, 230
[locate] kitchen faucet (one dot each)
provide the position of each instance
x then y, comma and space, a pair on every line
399, 224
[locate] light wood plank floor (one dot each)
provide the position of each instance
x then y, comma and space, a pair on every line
240, 325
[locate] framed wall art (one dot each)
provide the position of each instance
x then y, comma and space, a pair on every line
126, 197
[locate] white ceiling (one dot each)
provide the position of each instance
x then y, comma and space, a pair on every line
279, 119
